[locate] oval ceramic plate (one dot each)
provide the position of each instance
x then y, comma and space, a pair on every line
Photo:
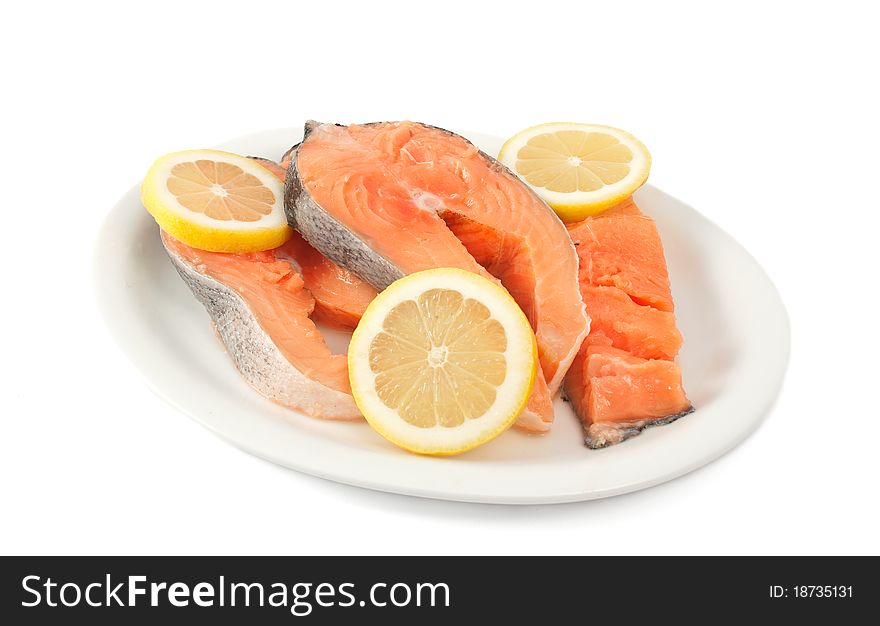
734, 358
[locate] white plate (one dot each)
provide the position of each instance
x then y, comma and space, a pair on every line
734, 358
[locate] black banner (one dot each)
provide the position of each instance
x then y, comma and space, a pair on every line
427, 590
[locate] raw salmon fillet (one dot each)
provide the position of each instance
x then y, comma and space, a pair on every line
262, 311
390, 199
341, 297
625, 378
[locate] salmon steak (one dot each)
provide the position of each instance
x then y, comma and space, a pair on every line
263, 306
625, 377
388, 199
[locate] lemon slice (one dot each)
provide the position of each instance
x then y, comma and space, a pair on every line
217, 201
442, 361
578, 169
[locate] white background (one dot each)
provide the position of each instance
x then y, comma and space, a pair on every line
764, 116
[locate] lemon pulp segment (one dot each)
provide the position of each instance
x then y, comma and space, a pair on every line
439, 360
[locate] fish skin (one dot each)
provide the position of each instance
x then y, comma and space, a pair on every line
604, 434
254, 354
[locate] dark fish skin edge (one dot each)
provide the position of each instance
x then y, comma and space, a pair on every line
628, 430
262, 159
289, 152
331, 237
